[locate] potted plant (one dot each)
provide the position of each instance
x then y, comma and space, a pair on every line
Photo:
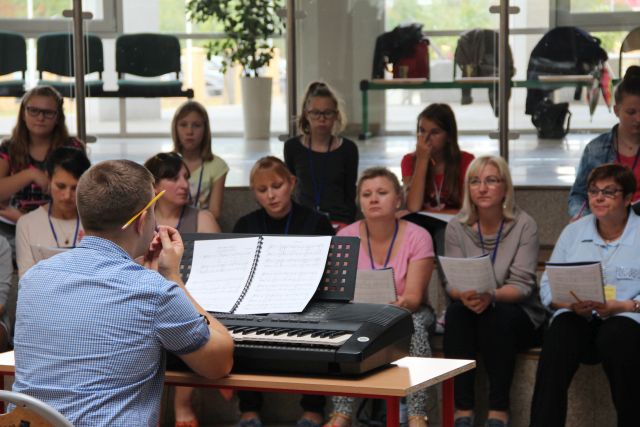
248, 26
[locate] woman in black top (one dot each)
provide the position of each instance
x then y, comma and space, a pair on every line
325, 164
272, 185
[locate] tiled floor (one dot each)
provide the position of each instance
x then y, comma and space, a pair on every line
533, 161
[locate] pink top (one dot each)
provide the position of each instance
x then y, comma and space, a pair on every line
416, 245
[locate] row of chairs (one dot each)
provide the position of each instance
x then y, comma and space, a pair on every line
143, 55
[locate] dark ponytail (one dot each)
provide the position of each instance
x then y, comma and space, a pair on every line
629, 85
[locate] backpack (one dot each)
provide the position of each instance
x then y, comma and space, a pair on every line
550, 118
404, 46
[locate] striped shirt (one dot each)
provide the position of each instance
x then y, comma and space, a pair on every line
91, 327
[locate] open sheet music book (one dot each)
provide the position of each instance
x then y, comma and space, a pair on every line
255, 275
375, 286
584, 279
469, 274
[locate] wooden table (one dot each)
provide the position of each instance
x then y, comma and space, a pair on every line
404, 377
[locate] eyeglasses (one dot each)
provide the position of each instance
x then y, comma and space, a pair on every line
143, 210
316, 114
35, 112
490, 181
609, 193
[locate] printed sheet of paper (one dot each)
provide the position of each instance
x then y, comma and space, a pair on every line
583, 279
469, 274
220, 270
439, 216
375, 286
288, 273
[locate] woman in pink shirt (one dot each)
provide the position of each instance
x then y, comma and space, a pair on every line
389, 242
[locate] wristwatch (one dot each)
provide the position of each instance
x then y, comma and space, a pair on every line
636, 306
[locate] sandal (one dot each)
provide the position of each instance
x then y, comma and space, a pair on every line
418, 421
338, 419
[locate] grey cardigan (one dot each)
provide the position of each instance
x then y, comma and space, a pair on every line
515, 262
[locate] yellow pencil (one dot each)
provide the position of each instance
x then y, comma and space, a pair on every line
575, 296
133, 218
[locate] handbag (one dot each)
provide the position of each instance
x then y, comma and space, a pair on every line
551, 120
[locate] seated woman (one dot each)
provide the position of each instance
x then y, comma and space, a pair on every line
496, 324
433, 174
325, 164
172, 175
56, 224
405, 247
39, 130
620, 145
272, 185
593, 332
6, 271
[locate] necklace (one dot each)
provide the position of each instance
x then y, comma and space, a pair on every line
55, 235
495, 249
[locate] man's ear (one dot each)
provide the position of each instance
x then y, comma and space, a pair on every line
141, 222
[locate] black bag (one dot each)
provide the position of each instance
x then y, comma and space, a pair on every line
549, 119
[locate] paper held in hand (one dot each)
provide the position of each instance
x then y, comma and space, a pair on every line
469, 274
583, 279
375, 286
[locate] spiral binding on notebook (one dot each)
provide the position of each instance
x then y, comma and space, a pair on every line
247, 285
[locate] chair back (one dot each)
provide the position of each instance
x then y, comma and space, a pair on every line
630, 43
55, 54
147, 54
13, 53
30, 411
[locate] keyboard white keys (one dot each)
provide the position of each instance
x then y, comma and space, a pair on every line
335, 338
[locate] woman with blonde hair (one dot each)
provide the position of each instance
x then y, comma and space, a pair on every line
386, 241
325, 164
272, 185
498, 324
191, 134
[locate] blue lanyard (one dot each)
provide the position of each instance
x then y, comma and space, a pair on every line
53, 230
196, 201
286, 227
318, 186
495, 250
393, 240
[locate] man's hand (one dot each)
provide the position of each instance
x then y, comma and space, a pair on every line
476, 302
165, 252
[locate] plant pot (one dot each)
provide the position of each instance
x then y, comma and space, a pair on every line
256, 105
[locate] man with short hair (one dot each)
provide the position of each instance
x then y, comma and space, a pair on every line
92, 324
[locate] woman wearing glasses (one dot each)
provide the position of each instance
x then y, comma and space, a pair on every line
325, 164
56, 225
433, 175
495, 324
590, 331
40, 129
620, 145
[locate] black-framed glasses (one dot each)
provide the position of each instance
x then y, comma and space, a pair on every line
35, 112
608, 192
490, 181
327, 114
